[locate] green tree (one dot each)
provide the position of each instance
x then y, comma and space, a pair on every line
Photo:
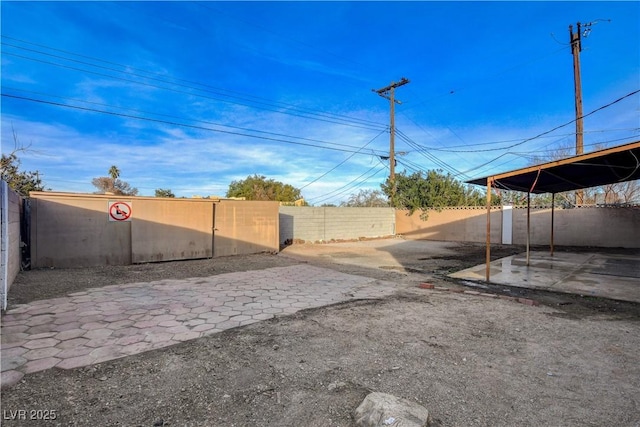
113, 184
23, 182
258, 187
431, 189
161, 192
114, 172
367, 198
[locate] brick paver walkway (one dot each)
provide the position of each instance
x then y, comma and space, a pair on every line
102, 324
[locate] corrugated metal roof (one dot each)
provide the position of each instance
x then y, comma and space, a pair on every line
609, 166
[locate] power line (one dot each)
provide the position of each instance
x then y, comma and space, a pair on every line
352, 188
448, 149
525, 154
541, 134
212, 89
423, 151
538, 152
344, 188
410, 165
430, 156
290, 109
341, 163
177, 117
131, 116
548, 132
338, 121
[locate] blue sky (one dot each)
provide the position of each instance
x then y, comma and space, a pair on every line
193, 95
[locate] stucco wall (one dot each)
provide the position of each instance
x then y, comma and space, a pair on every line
14, 235
599, 227
171, 229
327, 223
73, 230
586, 226
10, 250
244, 227
69, 230
450, 224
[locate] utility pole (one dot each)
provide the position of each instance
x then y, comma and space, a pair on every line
576, 47
388, 92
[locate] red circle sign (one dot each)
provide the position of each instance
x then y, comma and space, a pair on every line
120, 211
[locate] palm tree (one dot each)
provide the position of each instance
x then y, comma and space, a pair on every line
114, 172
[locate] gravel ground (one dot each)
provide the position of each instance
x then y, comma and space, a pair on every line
472, 361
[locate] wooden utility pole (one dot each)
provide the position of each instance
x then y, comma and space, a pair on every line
388, 92
576, 48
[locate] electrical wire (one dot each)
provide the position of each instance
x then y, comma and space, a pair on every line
549, 131
290, 110
131, 116
530, 157
520, 139
333, 194
440, 163
212, 89
341, 163
352, 188
176, 117
557, 127
429, 133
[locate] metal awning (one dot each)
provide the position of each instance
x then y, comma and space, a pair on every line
609, 166
604, 167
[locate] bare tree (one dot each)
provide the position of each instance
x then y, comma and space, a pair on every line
22, 182
618, 193
113, 184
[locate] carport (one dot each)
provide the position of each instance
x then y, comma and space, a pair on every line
609, 166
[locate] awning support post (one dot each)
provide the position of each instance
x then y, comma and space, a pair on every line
488, 259
528, 225
553, 207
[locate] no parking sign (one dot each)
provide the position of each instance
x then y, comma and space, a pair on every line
120, 211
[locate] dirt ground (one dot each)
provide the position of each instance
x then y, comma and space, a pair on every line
472, 361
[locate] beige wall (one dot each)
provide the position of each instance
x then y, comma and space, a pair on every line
451, 224
73, 230
70, 230
587, 226
171, 229
245, 227
598, 227
10, 251
15, 202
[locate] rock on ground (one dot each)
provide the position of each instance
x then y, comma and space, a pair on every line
382, 409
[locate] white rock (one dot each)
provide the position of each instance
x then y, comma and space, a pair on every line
378, 409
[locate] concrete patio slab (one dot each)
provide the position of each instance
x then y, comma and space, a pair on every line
592, 274
110, 322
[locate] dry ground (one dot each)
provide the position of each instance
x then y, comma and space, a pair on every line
470, 360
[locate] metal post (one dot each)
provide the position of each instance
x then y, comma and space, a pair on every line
553, 207
528, 225
488, 258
